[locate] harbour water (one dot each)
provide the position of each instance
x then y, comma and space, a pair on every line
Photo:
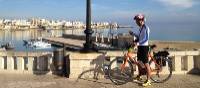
17, 37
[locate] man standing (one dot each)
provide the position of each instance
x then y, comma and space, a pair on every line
143, 46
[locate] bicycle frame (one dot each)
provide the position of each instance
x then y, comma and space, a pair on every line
123, 72
128, 57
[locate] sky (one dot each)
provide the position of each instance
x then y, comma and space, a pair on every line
168, 18
121, 11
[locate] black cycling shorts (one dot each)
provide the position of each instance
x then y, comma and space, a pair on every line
142, 53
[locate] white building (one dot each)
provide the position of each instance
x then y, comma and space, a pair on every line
68, 24
21, 23
78, 24
52, 24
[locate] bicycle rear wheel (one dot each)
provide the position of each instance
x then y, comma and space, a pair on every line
116, 74
164, 73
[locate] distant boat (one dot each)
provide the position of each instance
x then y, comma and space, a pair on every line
38, 44
8, 46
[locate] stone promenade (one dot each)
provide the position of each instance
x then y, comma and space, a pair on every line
49, 81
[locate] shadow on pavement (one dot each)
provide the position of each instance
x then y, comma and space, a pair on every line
96, 72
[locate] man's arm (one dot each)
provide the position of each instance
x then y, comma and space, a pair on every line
133, 34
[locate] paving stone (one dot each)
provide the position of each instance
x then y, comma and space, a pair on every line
52, 81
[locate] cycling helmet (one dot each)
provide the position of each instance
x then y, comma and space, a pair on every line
140, 17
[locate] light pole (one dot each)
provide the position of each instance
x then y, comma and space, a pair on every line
88, 46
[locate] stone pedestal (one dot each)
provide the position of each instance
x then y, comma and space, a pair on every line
20, 63
30, 64
176, 64
1, 63
10, 63
84, 65
190, 63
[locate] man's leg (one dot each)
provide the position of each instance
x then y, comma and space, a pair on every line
138, 77
147, 82
148, 71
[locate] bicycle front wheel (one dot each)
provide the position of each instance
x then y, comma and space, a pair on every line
118, 74
163, 72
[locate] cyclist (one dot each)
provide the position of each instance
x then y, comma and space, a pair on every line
143, 46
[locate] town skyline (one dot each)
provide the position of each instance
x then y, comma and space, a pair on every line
34, 23
121, 11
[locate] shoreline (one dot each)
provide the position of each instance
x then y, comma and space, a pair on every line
175, 41
177, 45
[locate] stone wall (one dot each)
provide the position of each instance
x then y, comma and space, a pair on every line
86, 65
31, 63
83, 65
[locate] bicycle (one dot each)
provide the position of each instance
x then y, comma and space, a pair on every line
121, 70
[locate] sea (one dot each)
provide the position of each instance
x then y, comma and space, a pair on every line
16, 37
